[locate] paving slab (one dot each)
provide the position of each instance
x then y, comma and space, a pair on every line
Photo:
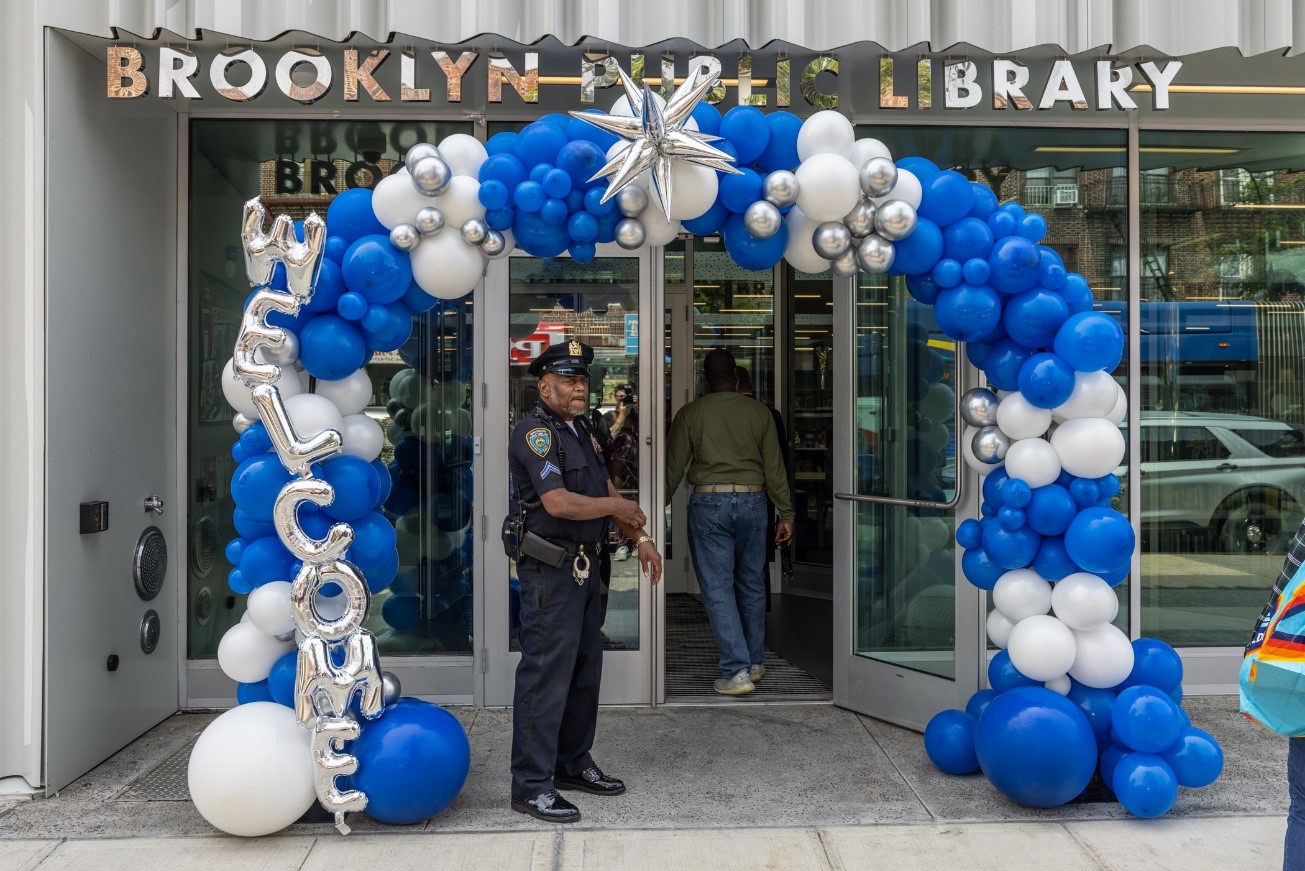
1184, 844
22, 855
169, 854
503, 851
718, 850
989, 847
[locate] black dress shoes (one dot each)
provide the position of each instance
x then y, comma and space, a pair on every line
549, 807
590, 780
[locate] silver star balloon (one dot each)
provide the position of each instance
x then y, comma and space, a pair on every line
657, 136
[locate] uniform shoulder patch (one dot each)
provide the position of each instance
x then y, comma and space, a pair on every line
540, 440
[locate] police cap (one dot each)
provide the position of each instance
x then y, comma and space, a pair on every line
564, 358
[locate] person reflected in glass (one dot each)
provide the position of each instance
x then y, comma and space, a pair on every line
623, 454
747, 388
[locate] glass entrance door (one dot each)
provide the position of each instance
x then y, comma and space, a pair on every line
906, 627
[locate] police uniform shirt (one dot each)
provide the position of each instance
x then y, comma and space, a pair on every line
545, 454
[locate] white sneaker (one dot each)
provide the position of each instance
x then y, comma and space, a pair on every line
622, 554
738, 685
756, 673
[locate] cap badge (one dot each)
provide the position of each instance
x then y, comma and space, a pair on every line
574, 348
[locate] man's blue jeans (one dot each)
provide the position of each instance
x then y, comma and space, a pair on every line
727, 540
1293, 858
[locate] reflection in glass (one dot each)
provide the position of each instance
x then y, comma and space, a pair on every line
811, 418
559, 300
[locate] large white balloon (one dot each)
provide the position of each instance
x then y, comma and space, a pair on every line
1104, 658
1042, 647
1021, 419
660, 229
693, 189
864, 149
1119, 410
459, 203
362, 437
826, 132
311, 414
246, 654
351, 394
241, 397
268, 608
464, 154
445, 266
251, 771
622, 105
1094, 395
999, 627
967, 451
830, 187
1088, 447
908, 189
1033, 461
800, 253
395, 201
1084, 601
1022, 593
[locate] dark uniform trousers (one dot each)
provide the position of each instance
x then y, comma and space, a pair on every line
555, 708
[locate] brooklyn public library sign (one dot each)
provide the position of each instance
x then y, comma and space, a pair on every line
421, 77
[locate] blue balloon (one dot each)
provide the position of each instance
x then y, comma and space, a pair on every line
1084, 491
494, 194
781, 147
559, 120
373, 543
402, 611
1036, 747
557, 182
1033, 317
583, 252
1003, 363
708, 118
1077, 293
1110, 756
255, 439
350, 216
376, 318
352, 306
966, 239
331, 348
1050, 510
412, 762
746, 129
235, 547
977, 353
949, 742
921, 167
1003, 676
1051, 269
978, 702
536, 236
985, 201
750, 252
1016, 493
382, 476
947, 198
607, 225
281, 682
993, 485
1052, 560
1003, 224
582, 227
501, 143
923, 287
1091, 341
575, 201
383, 573
580, 160
1155, 664
1144, 784
1145, 719
377, 270
357, 487
947, 272
710, 221
579, 131
1108, 485
538, 172
417, 301
1015, 262
738, 192
1010, 548
256, 484
253, 692
328, 287
500, 219
979, 569
967, 311
539, 143
554, 211
919, 252
1011, 518
503, 168
248, 526
529, 196
1098, 706
969, 534
594, 204
976, 271
1099, 539
1195, 758
1032, 227
264, 560
1046, 380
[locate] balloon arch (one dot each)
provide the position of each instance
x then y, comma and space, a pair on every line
323, 523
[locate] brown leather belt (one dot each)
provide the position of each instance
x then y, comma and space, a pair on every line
728, 488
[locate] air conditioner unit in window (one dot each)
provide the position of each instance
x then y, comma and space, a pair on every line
1066, 195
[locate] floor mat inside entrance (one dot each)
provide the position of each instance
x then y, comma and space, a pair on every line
692, 656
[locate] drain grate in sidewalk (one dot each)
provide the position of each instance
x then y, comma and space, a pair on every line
165, 781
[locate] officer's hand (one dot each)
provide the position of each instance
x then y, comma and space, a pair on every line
783, 534
651, 561
627, 511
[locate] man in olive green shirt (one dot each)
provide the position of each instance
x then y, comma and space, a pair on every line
729, 444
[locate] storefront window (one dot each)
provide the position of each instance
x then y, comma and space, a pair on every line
1223, 404
811, 420
298, 167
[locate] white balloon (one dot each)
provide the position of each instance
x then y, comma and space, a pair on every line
622, 105
1104, 659
1042, 647
830, 187
464, 154
268, 608
1022, 593
362, 437
241, 397
864, 149
1094, 395
351, 394
693, 190
967, 451
445, 266
939, 404
826, 132
1119, 410
999, 627
1060, 685
1088, 447
251, 771
246, 654
312, 414
459, 203
1021, 419
395, 201
660, 229
1033, 461
800, 253
1084, 601
907, 189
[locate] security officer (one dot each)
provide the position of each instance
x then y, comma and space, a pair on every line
562, 501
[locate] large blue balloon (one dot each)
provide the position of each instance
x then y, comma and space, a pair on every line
1155, 664
708, 118
281, 682
1091, 341
750, 252
708, 222
1033, 317
781, 146
1036, 747
580, 160
249, 526
539, 143
921, 167
1046, 380
412, 762
967, 312
1050, 510
919, 252
1077, 293
536, 236
1145, 719
578, 130
1144, 784
979, 569
746, 129
377, 270
1014, 261
923, 287
1051, 269
357, 487
331, 348
264, 560
979, 702
1195, 757
501, 143
350, 215
1052, 560
505, 168
256, 484
395, 328
1098, 706
373, 543
738, 192
253, 692
328, 287
967, 238
949, 741
985, 201
947, 197
1099, 539
1003, 363
1004, 676
1010, 548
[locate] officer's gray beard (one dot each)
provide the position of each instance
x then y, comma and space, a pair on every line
567, 408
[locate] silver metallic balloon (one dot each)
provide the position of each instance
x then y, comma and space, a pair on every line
287, 354
878, 176
630, 233
780, 188
431, 176
420, 152
302, 259
895, 219
990, 445
474, 231
324, 689
256, 334
979, 407
831, 239
405, 237
296, 454
875, 254
844, 265
329, 762
242, 422
285, 518
762, 219
391, 689
303, 601
861, 220
494, 243
632, 200
430, 221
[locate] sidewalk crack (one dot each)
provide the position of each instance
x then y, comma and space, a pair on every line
860, 719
